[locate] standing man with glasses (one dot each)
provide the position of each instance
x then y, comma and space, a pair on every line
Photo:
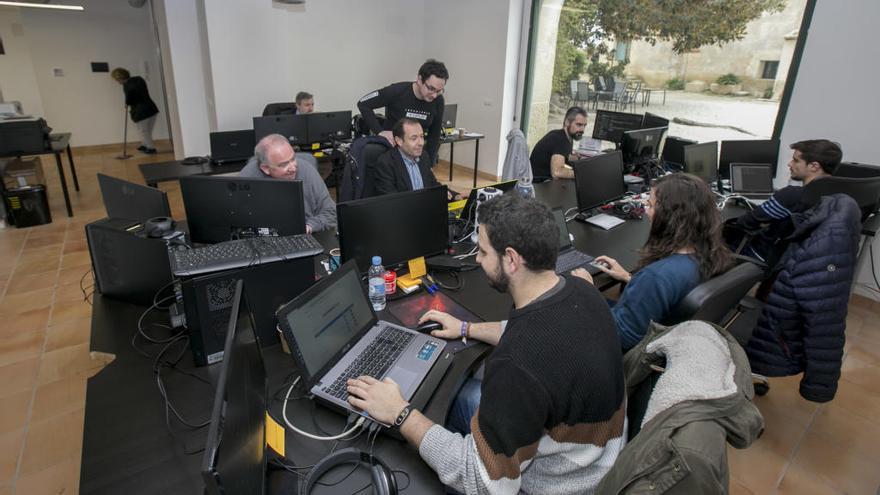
420, 100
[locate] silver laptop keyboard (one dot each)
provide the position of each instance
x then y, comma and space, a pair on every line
570, 260
374, 360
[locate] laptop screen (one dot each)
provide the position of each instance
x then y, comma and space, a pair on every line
702, 160
751, 177
564, 238
324, 319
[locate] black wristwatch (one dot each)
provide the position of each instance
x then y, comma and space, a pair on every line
404, 413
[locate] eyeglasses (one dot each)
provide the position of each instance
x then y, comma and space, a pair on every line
432, 89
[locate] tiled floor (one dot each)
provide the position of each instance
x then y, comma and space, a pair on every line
45, 360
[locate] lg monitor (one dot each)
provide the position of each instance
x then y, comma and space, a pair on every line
673, 151
398, 227
325, 127
220, 208
130, 201
450, 113
652, 120
752, 151
232, 146
293, 127
599, 180
610, 126
235, 452
702, 160
641, 145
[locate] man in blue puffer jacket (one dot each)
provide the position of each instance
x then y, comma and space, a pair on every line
801, 328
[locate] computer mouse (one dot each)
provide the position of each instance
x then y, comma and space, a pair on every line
428, 327
600, 264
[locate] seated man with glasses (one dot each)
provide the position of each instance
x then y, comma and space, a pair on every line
274, 158
420, 100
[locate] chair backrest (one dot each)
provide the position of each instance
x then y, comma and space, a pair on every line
357, 179
862, 170
713, 299
282, 108
619, 88
583, 91
866, 191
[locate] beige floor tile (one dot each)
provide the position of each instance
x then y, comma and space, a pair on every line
834, 464
69, 310
13, 414
75, 259
68, 362
10, 449
6, 488
41, 254
861, 373
18, 346
72, 292
76, 246
26, 301
785, 398
74, 275
18, 377
26, 321
49, 239
857, 400
38, 266
52, 441
737, 487
57, 479
69, 333
58, 397
781, 434
797, 481
756, 468
27, 283
858, 434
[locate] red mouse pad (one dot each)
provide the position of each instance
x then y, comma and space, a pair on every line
409, 309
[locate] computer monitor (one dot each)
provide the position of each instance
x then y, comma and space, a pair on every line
641, 145
230, 146
218, 208
325, 127
599, 180
235, 452
293, 127
130, 201
450, 113
398, 227
748, 178
610, 126
751, 151
702, 160
673, 151
470, 206
653, 120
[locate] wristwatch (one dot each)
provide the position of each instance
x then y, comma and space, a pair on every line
401, 417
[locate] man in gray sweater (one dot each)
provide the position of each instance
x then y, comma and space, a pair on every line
274, 158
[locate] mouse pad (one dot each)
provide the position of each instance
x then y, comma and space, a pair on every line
409, 309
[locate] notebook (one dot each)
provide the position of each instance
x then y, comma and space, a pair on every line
334, 334
752, 180
569, 257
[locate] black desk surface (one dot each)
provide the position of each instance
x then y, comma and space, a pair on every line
127, 449
165, 171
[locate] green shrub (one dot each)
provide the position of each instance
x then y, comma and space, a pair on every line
728, 80
675, 83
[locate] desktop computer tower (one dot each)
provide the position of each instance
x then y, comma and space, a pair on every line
28, 206
24, 136
127, 264
207, 302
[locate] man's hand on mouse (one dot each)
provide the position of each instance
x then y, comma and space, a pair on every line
451, 325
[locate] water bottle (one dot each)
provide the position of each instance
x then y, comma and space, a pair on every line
376, 279
524, 186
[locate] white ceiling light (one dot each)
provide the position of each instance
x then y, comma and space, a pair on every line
42, 5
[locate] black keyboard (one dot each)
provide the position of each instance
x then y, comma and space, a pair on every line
374, 360
242, 252
571, 259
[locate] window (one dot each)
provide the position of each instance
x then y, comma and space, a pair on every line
769, 68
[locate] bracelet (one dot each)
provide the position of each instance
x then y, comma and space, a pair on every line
401, 417
465, 327
467, 332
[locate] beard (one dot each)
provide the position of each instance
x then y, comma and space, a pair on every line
499, 280
577, 136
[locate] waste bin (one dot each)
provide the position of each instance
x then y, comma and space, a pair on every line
28, 206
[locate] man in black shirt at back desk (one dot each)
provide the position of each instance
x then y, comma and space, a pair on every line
551, 154
420, 100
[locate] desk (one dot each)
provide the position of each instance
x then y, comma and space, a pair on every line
59, 143
457, 139
154, 173
126, 448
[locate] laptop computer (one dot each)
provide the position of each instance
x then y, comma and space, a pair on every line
470, 206
752, 180
569, 257
449, 115
334, 334
232, 146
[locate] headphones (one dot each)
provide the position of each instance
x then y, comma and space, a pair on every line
384, 482
633, 210
158, 226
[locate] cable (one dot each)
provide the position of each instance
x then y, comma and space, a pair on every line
342, 435
434, 278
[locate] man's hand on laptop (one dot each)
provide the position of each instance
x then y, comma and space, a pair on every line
451, 325
380, 399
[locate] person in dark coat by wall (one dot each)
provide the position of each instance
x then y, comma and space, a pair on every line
141, 107
802, 324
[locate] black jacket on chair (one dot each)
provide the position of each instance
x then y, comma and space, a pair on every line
391, 176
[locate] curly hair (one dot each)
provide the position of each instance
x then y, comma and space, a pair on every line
685, 217
523, 224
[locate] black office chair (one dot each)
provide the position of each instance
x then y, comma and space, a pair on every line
865, 190
283, 108
357, 176
859, 170
716, 299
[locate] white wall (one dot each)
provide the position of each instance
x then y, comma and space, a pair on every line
833, 95
90, 105
17, 79
338, 50
479, 43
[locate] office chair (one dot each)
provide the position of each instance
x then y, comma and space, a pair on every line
282, 108
865, 190
861, 170
357, 176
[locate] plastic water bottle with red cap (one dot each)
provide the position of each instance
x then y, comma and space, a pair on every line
376, 281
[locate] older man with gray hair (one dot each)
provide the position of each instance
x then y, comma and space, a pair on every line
275, 158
